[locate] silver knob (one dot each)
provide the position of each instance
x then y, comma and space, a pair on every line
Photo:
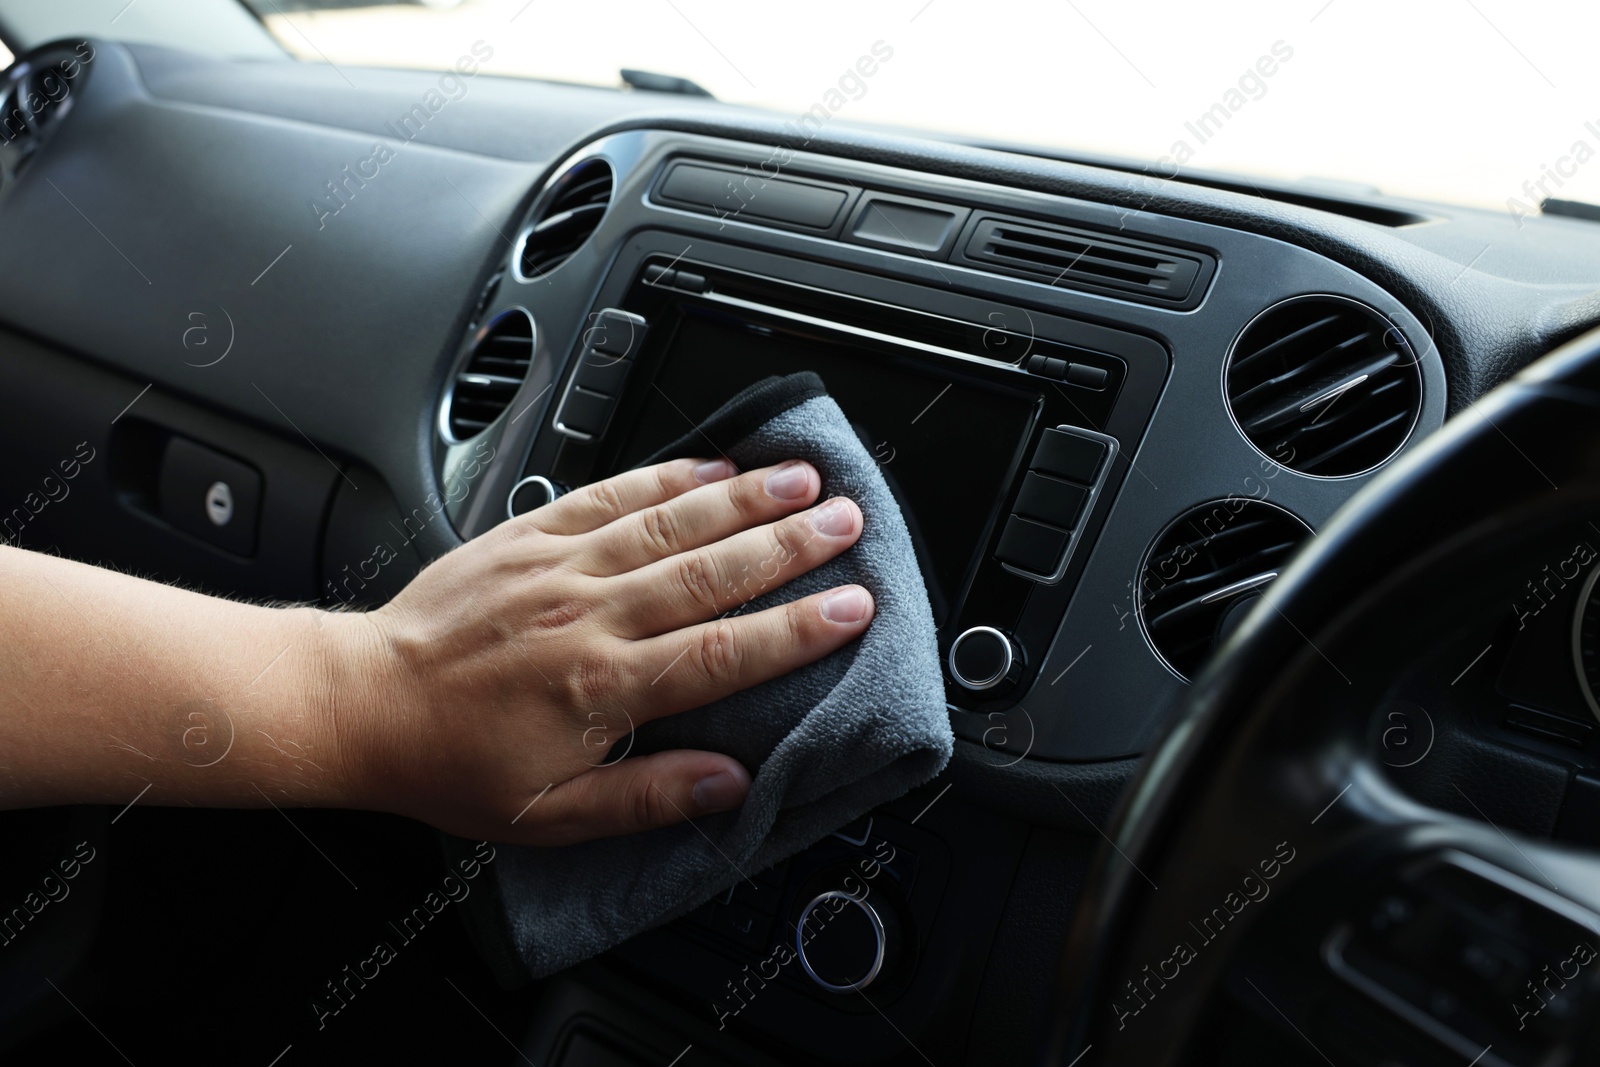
530, 493
860, 964
981, 658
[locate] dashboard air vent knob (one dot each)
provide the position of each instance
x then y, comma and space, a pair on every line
1324, 386
1205, 563
570, 214
501, 354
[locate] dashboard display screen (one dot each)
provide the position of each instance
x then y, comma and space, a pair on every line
945, 446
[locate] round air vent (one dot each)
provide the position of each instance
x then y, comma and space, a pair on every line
36, 94
1204, 570
570, 213
493, 371
1324, 386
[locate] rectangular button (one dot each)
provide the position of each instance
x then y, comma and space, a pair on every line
1086, 376
1031, 545
617, 333
753, 195
1066, 455
600, 373
1051, 500
585, 413
211, 496
899, 223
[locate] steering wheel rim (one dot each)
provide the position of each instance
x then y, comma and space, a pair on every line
1273, 743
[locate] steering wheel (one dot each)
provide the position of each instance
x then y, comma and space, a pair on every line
1263, 867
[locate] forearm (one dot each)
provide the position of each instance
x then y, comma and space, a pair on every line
113, 683
482, 699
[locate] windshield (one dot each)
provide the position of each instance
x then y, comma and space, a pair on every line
1485, 102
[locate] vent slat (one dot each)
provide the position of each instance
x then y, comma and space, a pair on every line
496, 369
1327, 382
1295, 339
1304, 381
1222, 574
1059, 255
1207, 561
1332, 453
571, 215
1067, 246
1080, 264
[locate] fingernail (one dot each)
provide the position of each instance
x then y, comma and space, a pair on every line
789, 481
847, 605
714, 470
833, 518
718, 792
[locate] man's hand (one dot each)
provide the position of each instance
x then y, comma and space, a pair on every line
485, 696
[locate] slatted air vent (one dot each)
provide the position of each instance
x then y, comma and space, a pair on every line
491, 376
35, 96
1084, 259
1203, 571
1324, 386
568, 217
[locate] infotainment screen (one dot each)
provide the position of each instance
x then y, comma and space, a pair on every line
946, 445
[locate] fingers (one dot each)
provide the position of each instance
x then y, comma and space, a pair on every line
706, 582
694, 666
593, 506
690, 520
641, 793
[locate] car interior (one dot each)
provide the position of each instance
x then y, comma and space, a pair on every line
1258, 520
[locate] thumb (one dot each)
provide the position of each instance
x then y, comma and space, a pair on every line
640, 793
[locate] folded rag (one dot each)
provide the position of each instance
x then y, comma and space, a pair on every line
825, 743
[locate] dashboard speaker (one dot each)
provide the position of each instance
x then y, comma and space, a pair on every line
569, 214
488, 380
1205, 568
1324, 386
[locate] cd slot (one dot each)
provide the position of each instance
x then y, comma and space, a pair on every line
996, 342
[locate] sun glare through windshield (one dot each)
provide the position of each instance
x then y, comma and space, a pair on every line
1484, 103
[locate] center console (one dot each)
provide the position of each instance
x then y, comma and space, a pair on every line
1045, 385
1000, 441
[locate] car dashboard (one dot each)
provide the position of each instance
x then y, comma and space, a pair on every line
1111, 408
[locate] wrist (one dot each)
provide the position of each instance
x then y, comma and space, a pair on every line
346, 681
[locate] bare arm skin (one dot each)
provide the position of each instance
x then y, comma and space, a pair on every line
482, 699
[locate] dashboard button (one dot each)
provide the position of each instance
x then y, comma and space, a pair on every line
1067, 455
1051, 500
1087, 376
981, 658
584, 414
601, 373
1033, 546
615, 332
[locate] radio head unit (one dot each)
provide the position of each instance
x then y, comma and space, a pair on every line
992, 440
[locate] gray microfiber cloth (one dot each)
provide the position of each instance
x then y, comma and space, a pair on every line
824, 744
